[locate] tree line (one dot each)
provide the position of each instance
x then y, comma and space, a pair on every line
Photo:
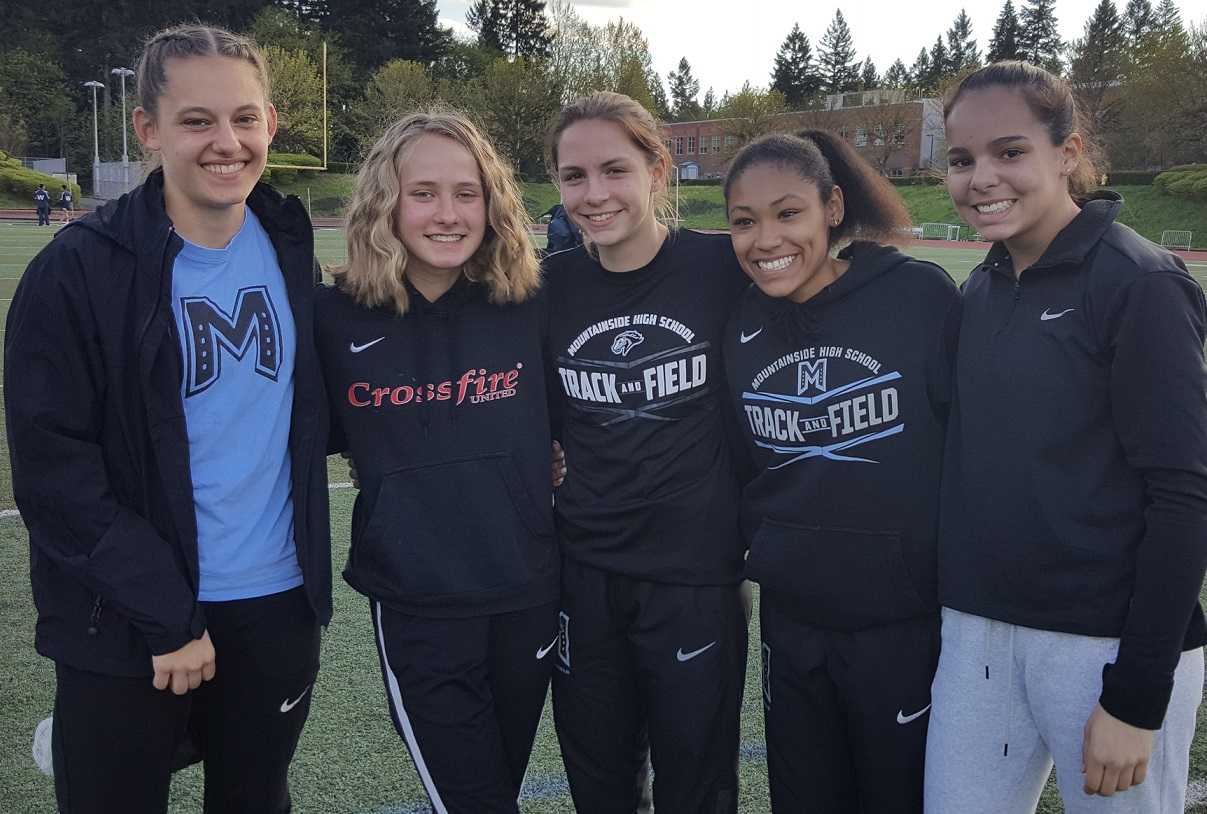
1141, 74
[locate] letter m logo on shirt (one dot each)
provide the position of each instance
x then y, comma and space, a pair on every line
212, 332
811, 374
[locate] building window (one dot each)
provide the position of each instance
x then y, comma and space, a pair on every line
731, 141
879, 135
899, 135
691, 145
670, 145
896, 172
861, 137
679, 145
852, 100
703, 145
844, 134
716, 144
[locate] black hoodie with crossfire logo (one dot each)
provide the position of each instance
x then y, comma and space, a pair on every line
443, 410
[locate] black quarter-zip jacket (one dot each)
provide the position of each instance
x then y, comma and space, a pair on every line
443, 411
1075, 481
842, 403
97, 435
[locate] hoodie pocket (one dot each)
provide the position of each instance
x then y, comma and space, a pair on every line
455, 529
841, 579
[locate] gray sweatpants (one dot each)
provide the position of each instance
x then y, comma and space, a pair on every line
993, 741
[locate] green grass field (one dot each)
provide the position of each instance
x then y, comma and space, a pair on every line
350, 761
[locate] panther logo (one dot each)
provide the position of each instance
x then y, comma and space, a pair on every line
625, 342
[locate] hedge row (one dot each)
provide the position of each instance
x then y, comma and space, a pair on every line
21, 181
1185, 181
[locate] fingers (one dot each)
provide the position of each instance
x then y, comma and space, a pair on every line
161, 679
180, 682
209, 670
1140, 773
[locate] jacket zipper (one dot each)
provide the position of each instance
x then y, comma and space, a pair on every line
94, 622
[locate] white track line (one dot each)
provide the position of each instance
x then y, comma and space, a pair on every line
11, 514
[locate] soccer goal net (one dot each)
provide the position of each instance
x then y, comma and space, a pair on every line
940, 231
1176, 239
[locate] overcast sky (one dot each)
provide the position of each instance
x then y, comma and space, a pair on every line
730, 41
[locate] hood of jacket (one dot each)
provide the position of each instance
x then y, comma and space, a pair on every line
868, 261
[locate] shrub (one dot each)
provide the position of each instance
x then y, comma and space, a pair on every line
22, 182
281, 176
1131, 177
1181, 180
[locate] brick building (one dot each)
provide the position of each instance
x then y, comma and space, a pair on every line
900, 136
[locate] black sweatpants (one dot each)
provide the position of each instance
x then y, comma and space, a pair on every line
649, 662
43, 216
115, 739
846, 713
466, 696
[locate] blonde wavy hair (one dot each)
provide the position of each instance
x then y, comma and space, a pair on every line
375, 273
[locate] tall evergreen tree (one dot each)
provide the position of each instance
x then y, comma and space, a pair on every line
869, 78
1138, 21
1167, 22
794, 74
708, 108
1098, 60
897, 76
940, 65
375, 31
920, 73
837, 66
962, 51
1004, 44
1038, 38
684, 90
484, 18
518, 28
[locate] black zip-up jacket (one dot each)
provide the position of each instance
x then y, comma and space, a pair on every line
443, 410
97, 436
842, 403
1075, 482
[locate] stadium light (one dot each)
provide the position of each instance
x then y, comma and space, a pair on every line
123, 73
96, 148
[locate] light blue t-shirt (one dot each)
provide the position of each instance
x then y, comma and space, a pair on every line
237, 338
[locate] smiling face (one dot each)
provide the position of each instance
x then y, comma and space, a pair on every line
1006, 177
441, 217
780, 229
607, 183
212, 129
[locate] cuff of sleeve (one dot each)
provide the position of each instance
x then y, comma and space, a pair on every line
1134, 698
169, 641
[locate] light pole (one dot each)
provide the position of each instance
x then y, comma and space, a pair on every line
96, 145
123, 73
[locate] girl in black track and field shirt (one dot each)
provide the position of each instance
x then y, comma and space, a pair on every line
653, 632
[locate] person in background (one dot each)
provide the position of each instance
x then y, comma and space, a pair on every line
42, 205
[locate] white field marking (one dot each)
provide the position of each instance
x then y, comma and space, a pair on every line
9, 514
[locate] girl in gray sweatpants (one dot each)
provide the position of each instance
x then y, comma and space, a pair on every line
1073, 520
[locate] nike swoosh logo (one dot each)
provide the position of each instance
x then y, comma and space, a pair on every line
902, 718
689, 656
542, 651
287, 705
1045, 316
355, 348
746, 338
